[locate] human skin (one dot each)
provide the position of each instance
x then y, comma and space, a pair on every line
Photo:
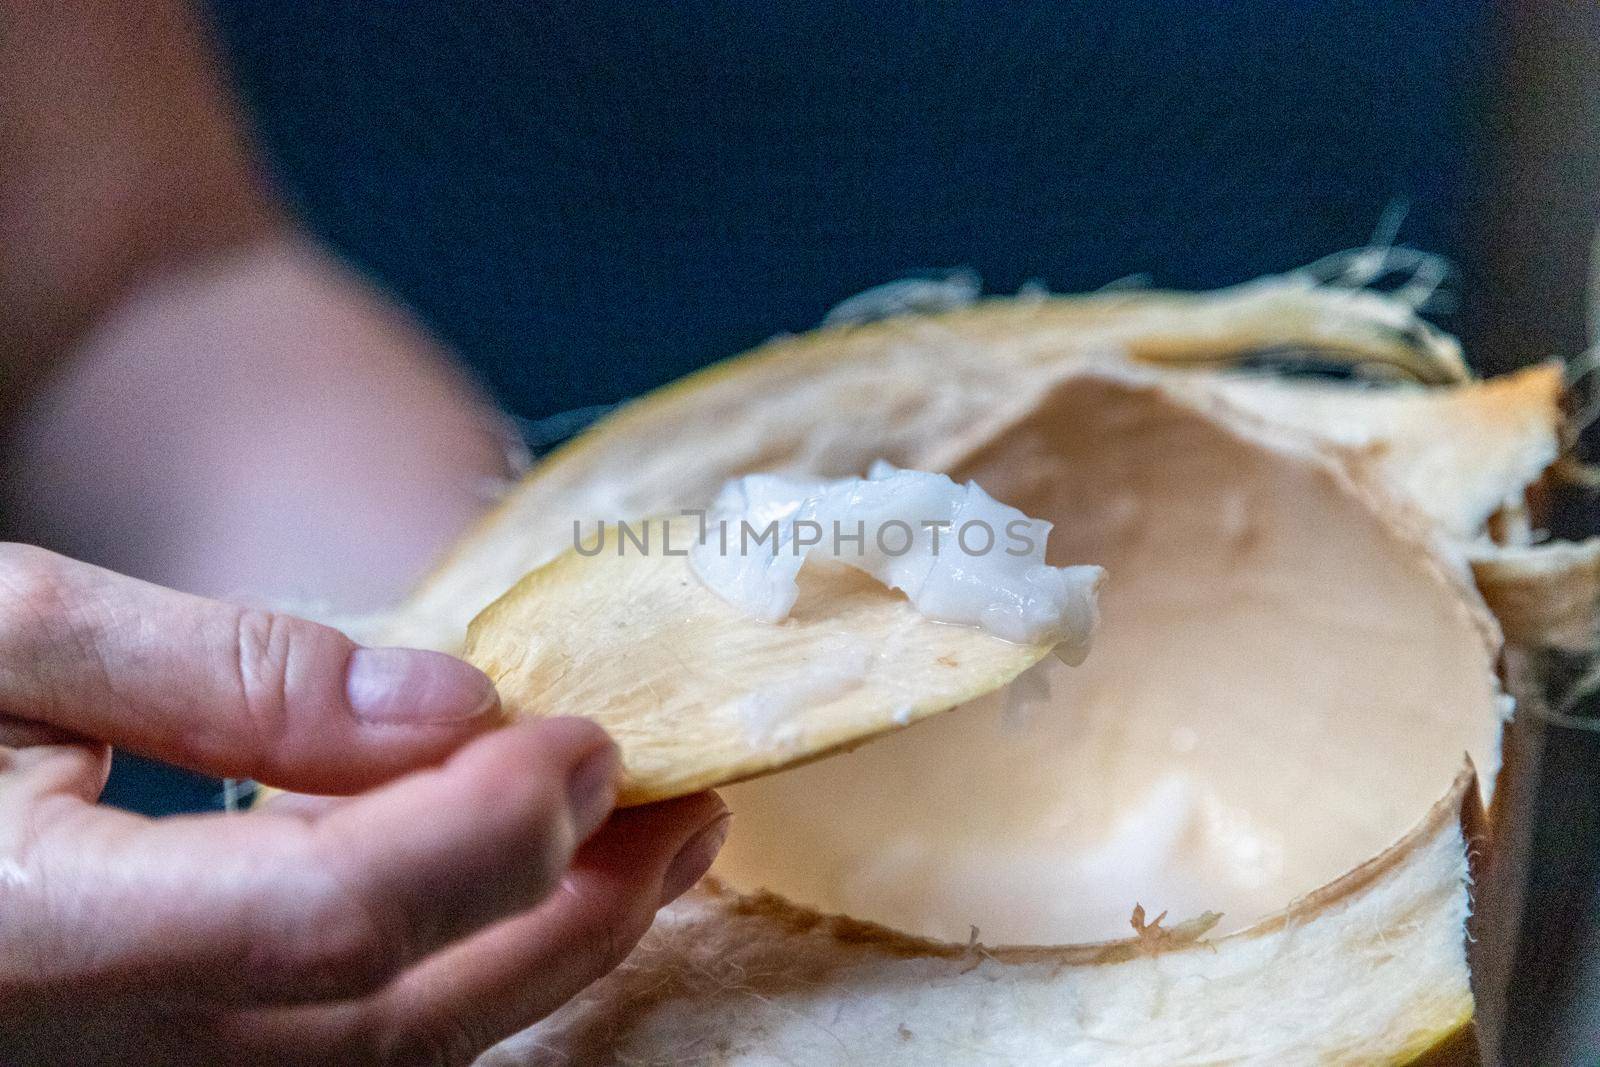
192, 393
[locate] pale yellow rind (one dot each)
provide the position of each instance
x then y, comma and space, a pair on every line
1369, 968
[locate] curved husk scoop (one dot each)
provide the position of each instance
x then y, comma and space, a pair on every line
698, 694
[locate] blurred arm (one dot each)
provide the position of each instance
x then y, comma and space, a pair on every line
190, 391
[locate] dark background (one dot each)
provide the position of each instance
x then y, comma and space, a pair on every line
589, 199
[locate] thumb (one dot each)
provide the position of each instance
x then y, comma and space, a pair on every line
222, 689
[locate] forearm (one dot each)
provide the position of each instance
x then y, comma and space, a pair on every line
189, 392
262, 425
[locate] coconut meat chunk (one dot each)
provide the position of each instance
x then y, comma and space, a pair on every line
959, 555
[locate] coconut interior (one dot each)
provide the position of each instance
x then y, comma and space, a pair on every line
1284, 680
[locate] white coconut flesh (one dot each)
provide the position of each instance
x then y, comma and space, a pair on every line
1283, 679
959, 555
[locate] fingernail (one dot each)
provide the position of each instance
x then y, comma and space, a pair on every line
411, 685
592, 790
694, 859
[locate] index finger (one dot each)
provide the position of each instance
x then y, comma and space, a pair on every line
230, 691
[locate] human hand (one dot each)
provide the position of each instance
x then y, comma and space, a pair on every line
417, 917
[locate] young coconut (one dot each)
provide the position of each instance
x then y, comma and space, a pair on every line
1287, 675
732, 978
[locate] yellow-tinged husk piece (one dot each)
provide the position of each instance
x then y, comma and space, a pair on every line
1292, 660
697, 693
